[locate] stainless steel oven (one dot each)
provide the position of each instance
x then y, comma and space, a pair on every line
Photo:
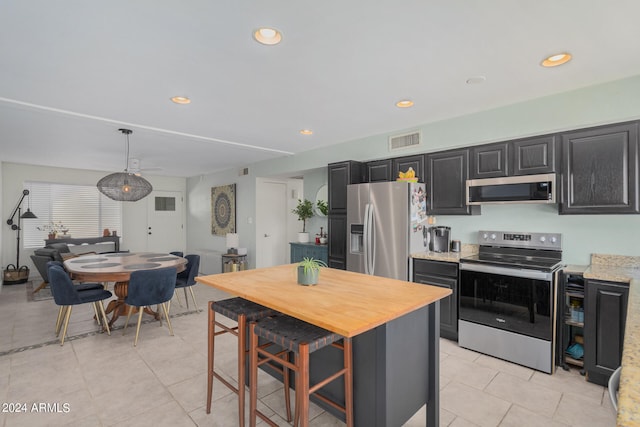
507, 297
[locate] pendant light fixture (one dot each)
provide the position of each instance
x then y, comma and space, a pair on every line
125, 186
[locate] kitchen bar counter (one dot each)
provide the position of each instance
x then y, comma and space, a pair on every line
395, 329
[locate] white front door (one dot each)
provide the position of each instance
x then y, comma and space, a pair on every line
165, 226
271, 224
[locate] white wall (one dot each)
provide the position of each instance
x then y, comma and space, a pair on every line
583, 234
199, 235
134, 213
313, 180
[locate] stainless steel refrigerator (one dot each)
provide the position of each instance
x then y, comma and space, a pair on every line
385, 223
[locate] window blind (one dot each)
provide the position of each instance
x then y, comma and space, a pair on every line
81, 209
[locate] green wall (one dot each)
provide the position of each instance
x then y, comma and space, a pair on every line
582, 234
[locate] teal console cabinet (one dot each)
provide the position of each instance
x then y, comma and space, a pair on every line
308, 250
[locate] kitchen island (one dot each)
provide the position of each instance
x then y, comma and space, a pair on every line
394, 326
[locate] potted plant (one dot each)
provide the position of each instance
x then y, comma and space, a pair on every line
304, 211
323, 207
308, 271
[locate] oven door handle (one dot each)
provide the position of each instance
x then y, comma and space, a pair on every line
504, 271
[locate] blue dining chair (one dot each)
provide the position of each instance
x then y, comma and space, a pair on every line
66, 295
177, 253
79, 287
187, 278
150, 287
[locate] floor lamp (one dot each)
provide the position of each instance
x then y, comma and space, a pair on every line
15, 274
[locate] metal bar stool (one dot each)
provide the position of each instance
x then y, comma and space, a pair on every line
301, 338
241, 311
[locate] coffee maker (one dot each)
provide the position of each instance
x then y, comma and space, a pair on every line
439, 238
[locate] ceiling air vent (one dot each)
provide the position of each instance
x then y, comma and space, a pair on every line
406, 140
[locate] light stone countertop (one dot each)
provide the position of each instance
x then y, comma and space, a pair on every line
629, 391
466, 250
574, 269
613, 268
625, 269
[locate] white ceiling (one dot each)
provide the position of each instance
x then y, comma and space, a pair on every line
72, 72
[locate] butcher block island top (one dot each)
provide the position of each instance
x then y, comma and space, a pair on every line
343, 302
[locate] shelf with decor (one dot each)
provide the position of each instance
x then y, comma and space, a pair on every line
572, 304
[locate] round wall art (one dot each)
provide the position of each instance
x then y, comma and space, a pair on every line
223, 210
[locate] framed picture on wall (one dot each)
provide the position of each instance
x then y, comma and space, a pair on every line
223, 210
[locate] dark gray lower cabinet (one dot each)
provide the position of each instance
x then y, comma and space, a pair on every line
445, 275
605, 317
337, 255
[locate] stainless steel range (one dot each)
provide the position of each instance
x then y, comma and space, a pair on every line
508, 297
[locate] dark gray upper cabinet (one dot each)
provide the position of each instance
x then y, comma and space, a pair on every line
379, 170
402, 164
447, 176
600, 170
532, 156
340, 175
489, 161
529, 156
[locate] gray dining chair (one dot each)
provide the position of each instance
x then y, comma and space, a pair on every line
147, 288
66, 295
187, 278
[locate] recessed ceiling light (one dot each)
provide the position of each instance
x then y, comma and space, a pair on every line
557, 59
268, 36
476, 80
404, 103
181, 100
306, 131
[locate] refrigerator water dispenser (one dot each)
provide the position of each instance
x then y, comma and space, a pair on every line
356, 239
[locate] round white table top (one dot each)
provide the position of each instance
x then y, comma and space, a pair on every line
120, 265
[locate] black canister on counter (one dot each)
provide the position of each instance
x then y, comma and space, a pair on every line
455, 246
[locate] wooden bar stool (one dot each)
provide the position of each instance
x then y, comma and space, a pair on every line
241, 311
301, 338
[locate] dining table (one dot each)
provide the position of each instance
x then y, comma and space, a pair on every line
394, 326
117, 267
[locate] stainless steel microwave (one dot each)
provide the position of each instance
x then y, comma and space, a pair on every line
512, 189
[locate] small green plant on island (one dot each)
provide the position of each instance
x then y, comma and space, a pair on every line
311, 264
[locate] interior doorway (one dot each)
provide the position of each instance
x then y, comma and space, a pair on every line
275, 198
165, 230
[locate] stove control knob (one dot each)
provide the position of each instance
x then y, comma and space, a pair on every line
542, 239
493, 236
554, 240
485, 236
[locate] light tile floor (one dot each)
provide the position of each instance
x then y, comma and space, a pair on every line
162, 382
